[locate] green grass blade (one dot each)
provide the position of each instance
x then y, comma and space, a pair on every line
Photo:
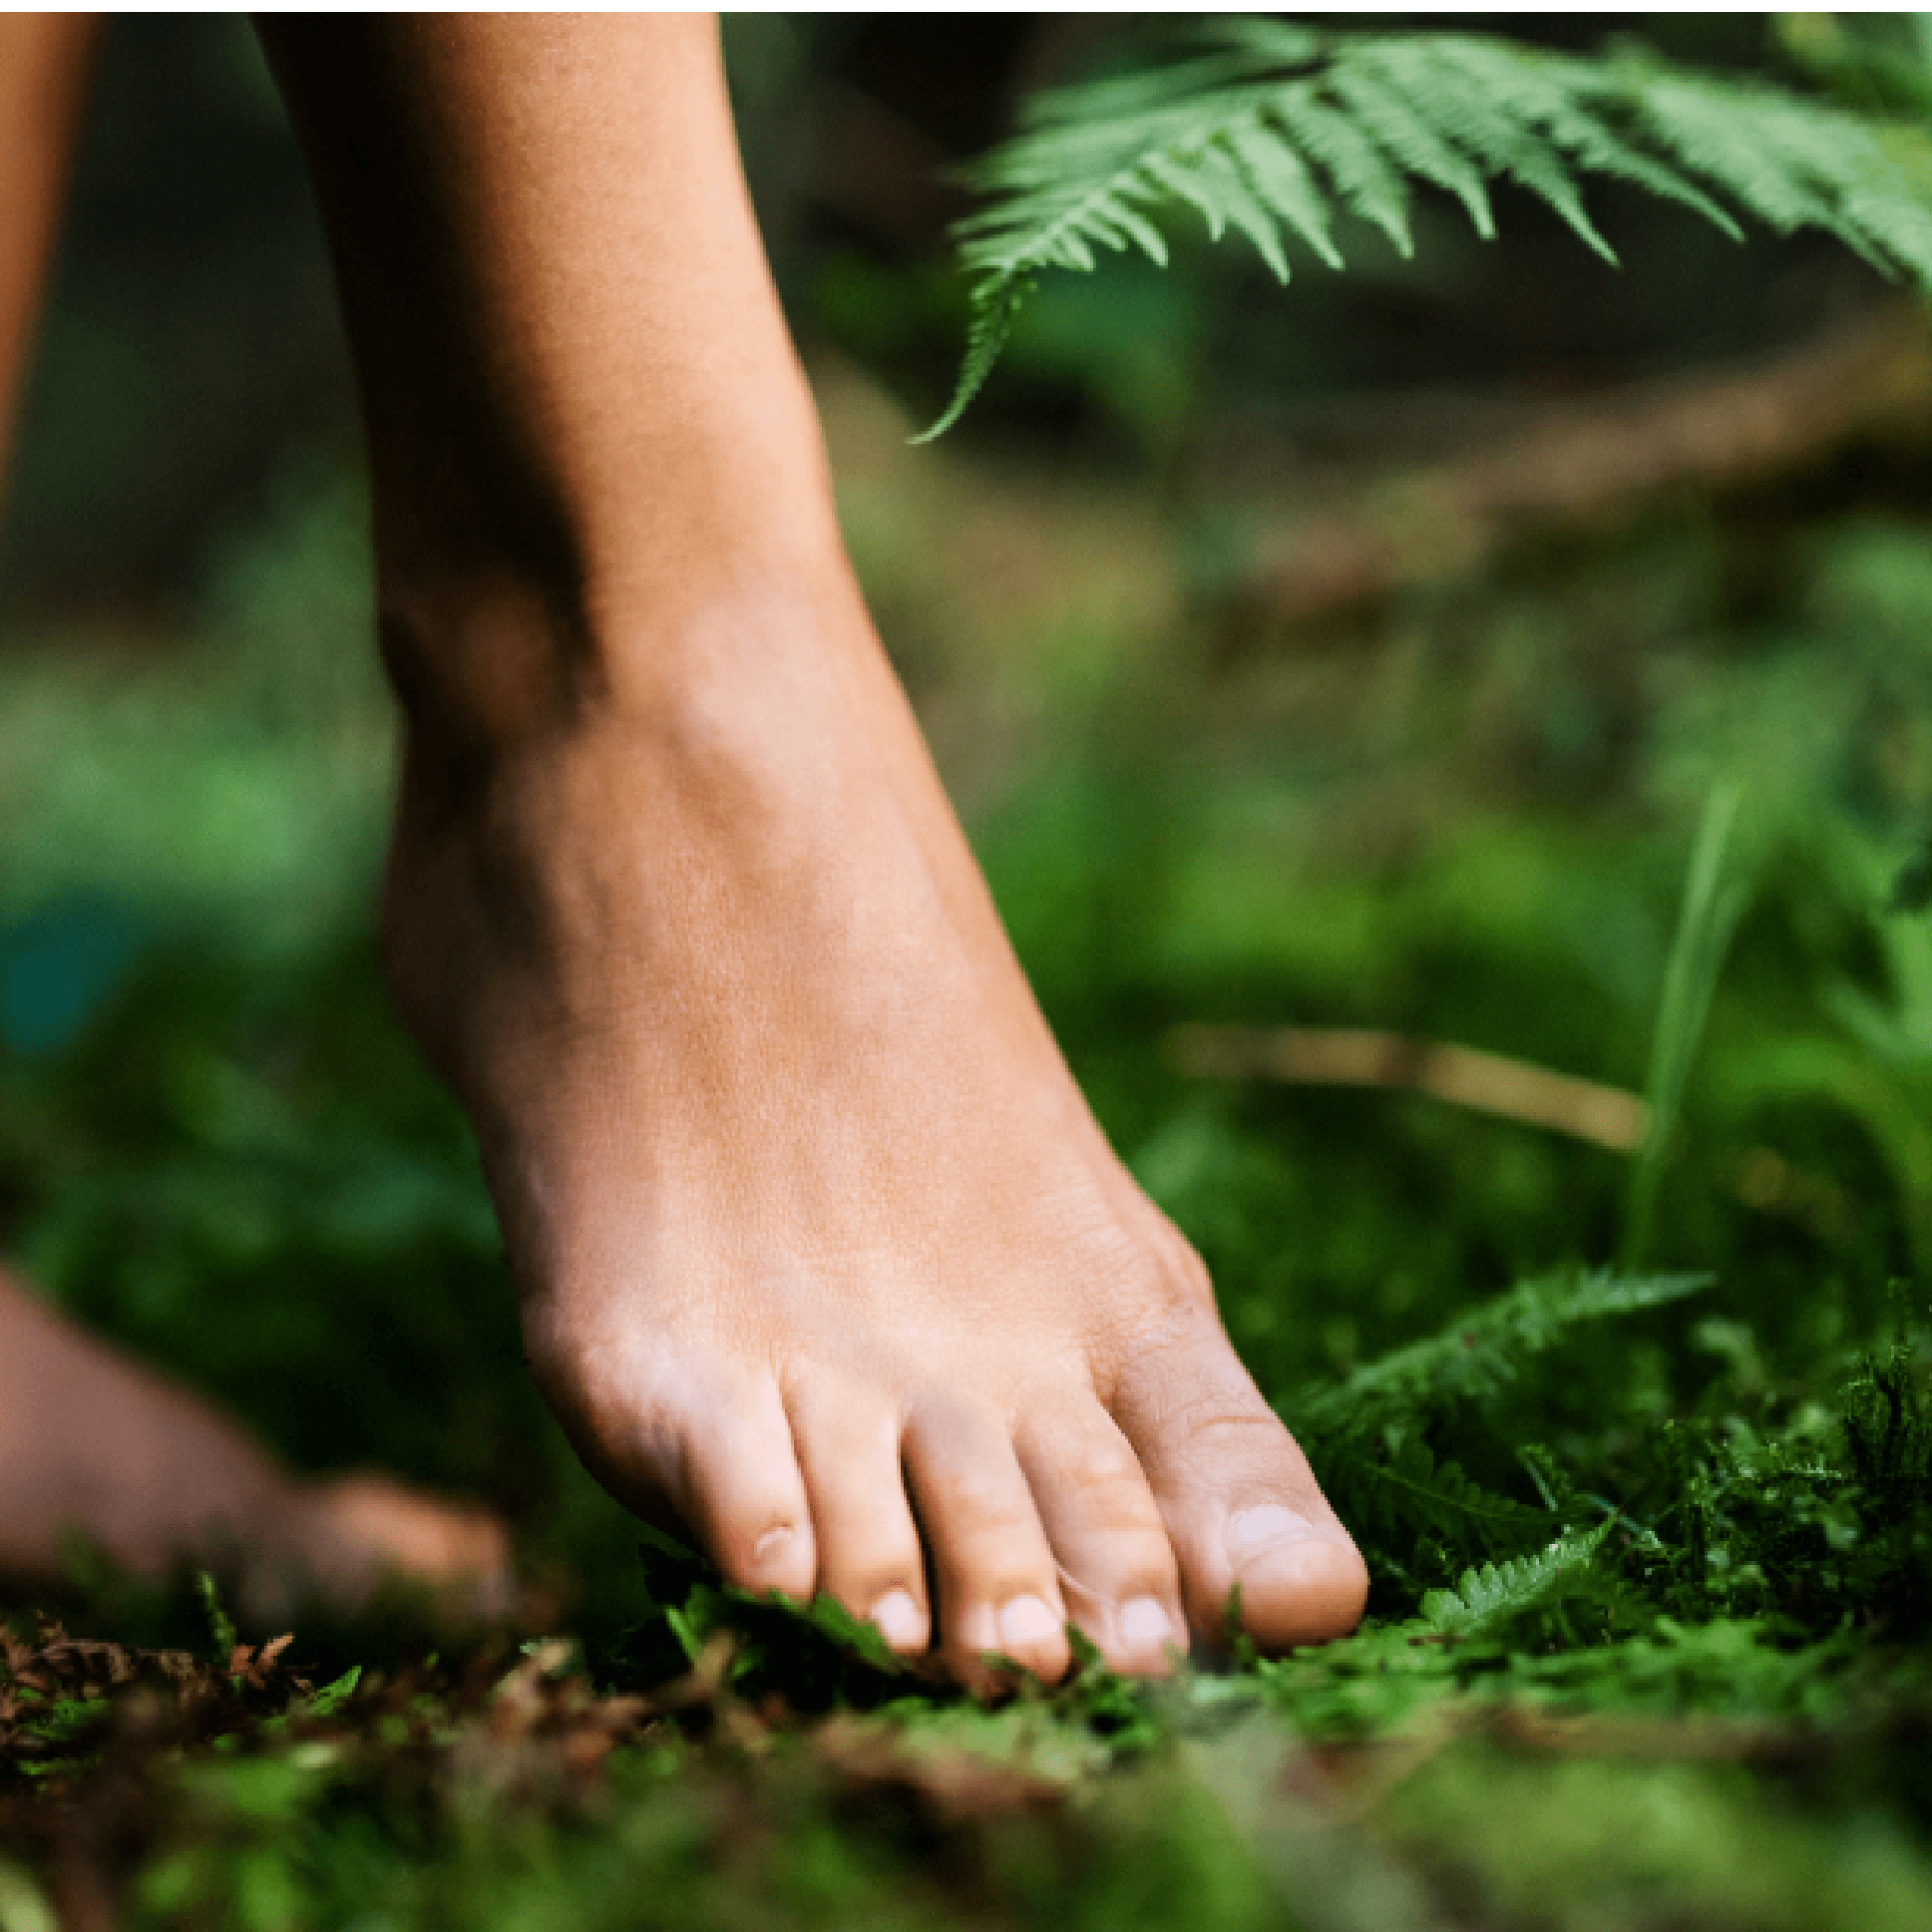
1709, 915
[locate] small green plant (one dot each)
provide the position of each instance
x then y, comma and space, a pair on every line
1482, 1351
220, 1626
1490, 1599
1711, 908
1276, 131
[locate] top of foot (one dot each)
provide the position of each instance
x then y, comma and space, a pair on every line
822, 1255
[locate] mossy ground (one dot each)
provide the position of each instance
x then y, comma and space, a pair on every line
1652, 1550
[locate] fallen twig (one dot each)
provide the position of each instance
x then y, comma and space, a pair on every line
1594, 465
1466, 1076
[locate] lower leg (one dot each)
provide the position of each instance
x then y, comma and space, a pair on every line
44, 63
820, 1250
90, 1443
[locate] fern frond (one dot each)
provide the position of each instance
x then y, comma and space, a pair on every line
1791, 163
1479, 1354
1280, 129
1511, 113
1413, 143
1486, 1600
993, 309
1440, 1497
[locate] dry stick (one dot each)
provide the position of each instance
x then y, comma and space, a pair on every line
1595, 463
1463, 1076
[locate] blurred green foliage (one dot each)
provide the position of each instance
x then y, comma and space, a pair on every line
229, 1160
1652, 1568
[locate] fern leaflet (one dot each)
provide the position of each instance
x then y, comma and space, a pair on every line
1497, 1594
1441, 1497
1278, 128
1479, 1354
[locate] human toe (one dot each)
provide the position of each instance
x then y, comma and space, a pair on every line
1116, 1565
1301, 1579
846, 1441
734, 1478
1241, 1505
999, 1590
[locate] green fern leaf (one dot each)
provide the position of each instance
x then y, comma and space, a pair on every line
1131, 226
1412, 142
1278, 129
1791, 163
1283, 183
1492, 101
1365, 178
1479, 1354
1488, 1599
1274, 44
1213, 180
1584, 129
1576, 116
1440, 1497
992, 321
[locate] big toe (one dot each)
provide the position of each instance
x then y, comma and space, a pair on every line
371, 1527
1301, 1579
1241, 1505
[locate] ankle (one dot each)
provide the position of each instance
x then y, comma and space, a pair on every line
573, 761
493, 662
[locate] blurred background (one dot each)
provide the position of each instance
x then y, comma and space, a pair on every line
1358, 655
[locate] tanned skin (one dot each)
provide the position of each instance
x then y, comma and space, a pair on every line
45, 59
93, 1442
821, 1253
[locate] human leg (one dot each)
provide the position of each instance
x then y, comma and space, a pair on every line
820, 1250
90, 1441
44, 63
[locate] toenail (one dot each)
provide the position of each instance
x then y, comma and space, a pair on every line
897, 1617
771, 1542
1026, 1620
1144, 1621
1263, 1529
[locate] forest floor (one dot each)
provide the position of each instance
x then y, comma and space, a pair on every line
1618, 1376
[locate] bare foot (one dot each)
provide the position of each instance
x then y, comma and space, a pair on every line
822, 1253
94, 1444
365, 1529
